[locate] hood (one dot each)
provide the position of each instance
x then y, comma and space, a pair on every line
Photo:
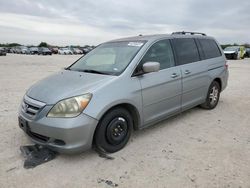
229, 52
66, 84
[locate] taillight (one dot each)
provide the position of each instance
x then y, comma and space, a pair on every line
226, 66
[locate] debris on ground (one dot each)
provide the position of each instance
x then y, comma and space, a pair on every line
192, 177
103, 154
36, 154
11, 169
108, 182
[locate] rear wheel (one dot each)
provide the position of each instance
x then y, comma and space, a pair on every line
114, 130
213, 96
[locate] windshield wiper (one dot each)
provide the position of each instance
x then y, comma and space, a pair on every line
92, 71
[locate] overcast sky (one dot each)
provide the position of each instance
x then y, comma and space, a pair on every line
65, 22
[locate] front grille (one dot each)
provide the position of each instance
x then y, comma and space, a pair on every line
31, 107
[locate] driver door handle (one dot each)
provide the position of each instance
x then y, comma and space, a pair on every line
187, 72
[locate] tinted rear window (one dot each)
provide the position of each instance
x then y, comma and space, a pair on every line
210, 48
186, 50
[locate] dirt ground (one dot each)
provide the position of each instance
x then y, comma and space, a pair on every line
198, 148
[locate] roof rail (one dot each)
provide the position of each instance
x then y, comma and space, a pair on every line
185, 32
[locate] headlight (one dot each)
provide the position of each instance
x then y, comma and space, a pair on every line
70, 107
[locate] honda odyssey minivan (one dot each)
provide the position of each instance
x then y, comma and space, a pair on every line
121, 86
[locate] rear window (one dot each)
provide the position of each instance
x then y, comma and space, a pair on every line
186, 50
210, 48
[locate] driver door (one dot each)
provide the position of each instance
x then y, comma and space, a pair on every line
161, 91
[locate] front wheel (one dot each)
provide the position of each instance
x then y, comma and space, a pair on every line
213, 96
114, 130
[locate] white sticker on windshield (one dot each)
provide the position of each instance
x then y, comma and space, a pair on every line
137, 44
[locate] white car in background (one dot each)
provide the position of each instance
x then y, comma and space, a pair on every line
77, 51
235, 52
65, 51
24, 50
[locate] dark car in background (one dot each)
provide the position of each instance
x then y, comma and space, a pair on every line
7, 49
85, 50
2, 52
33, 50
44, 51
247, 52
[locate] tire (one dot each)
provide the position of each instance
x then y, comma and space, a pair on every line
213, 96
114, 130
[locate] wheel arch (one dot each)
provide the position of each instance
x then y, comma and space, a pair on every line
131, 109
219, 82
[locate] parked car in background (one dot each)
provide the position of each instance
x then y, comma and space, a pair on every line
54, 50
235, 52
12, 50
2, 52
76, 51
247, 52
7, 49
18, 50
24, 50
33, 50
65, 51
123, 85
44, 51
85, 50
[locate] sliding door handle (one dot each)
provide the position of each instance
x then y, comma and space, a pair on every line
174, 75
187, 72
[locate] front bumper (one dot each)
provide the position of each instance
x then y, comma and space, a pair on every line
65, 135
231, 55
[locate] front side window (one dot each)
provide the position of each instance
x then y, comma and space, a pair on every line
186, 50
108, 58
160, 52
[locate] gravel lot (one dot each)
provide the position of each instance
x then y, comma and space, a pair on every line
198, 148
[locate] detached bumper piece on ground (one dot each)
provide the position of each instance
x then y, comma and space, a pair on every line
36, 154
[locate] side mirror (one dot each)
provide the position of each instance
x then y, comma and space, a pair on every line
151, 67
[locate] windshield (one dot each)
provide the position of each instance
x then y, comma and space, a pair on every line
108, 58
231, 48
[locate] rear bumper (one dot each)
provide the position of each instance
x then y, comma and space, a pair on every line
64, 135
224, 79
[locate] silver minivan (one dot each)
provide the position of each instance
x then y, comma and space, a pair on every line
121, 86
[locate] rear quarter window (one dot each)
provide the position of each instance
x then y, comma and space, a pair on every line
186, 50
210, 48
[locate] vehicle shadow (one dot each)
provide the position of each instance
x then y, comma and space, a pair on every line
166, 122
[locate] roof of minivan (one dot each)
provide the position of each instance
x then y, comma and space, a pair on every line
158, 36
